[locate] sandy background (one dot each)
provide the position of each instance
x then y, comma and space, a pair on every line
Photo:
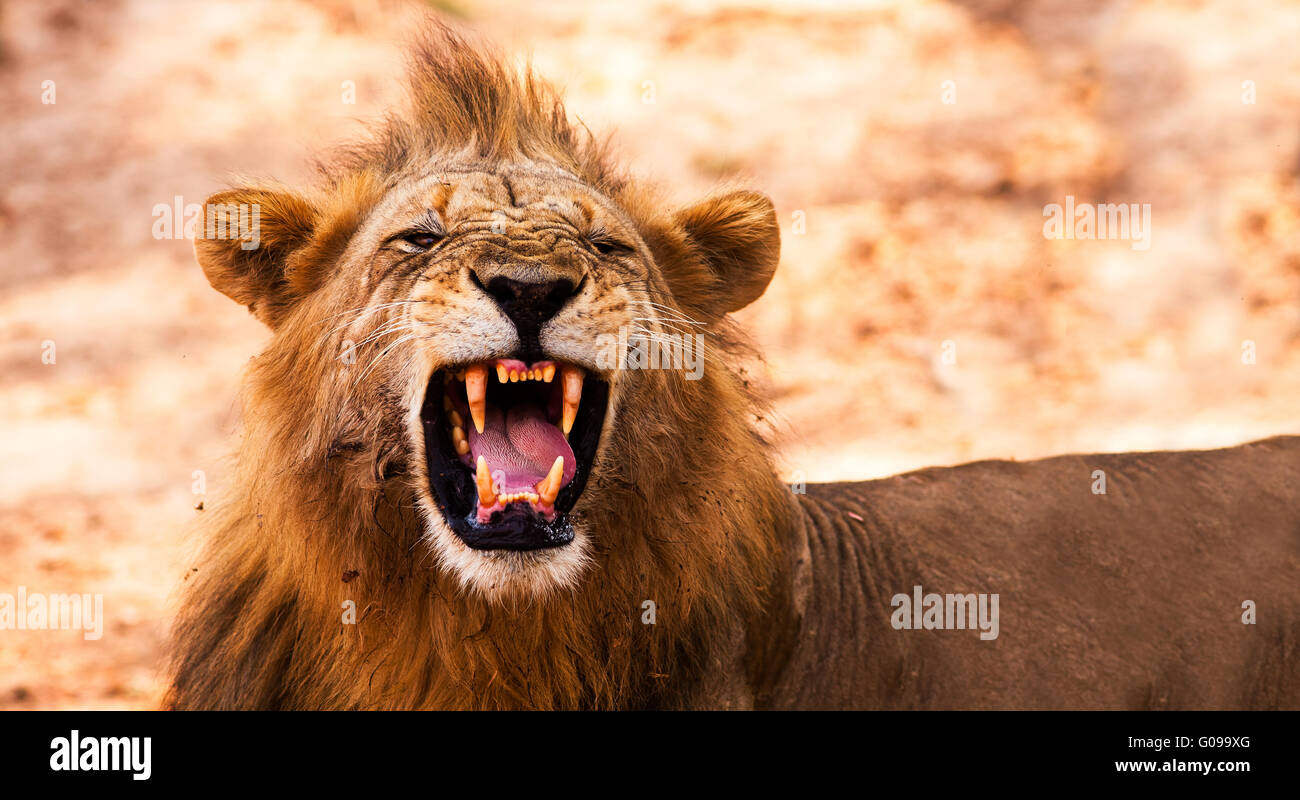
908, 222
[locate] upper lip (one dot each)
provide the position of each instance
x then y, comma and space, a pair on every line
509, 447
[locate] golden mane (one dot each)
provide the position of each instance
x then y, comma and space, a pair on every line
463, 99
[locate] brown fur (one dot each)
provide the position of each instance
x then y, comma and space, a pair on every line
763, 598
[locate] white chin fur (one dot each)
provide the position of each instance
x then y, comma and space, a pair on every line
504, 574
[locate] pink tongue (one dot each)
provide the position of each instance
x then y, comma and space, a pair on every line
522, 444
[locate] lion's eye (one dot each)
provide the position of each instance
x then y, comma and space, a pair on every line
422, 239
607, 247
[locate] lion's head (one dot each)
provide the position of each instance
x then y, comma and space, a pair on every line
465, 307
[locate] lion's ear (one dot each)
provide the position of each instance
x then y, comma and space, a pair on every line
246, 245
722, 253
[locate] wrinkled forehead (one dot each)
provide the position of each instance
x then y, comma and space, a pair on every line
459, 195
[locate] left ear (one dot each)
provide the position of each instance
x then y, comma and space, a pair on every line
251, 261
720, 254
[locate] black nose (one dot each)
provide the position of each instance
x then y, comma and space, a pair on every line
529, 305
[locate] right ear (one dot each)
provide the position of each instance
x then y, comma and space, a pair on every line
718, 255
246, 245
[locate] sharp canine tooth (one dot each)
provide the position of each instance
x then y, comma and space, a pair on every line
476, 393
486, 497
571, 377
502, 375
548, 372
549, 487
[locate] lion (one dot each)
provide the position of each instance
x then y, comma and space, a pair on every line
455, 490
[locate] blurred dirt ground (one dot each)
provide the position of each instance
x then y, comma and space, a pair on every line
908, 222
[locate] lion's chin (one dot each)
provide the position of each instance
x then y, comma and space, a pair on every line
509, 447
506, 575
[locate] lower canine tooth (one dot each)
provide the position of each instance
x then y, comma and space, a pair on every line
549, 487
486, 497
476, 393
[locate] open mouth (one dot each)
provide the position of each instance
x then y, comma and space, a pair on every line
510, 446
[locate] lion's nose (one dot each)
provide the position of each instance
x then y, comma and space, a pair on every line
529, 305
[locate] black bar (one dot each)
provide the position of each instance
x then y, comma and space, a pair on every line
335, 749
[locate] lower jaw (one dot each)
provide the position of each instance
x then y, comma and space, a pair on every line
515, 528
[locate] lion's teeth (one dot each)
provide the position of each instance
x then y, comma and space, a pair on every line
486, 496
548, 372
507, 499
476, 393
503, 375
514, 376
459, 441
453, 416
549, 487
571, 379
